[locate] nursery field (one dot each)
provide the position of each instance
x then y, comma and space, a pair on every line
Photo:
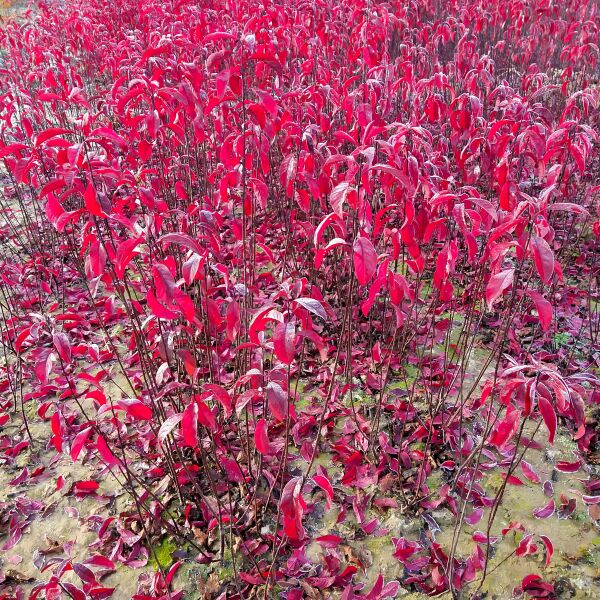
299, 299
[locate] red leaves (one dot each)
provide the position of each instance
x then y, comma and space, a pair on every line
545, 511
277, 401
536, 588
325, 484
79, 442
283, 342
85, 487
543, 307
329, 540
286, 236
530, 472
543, 256
313, 306
189, 425
526, 546
63, 346
158, 309
568, 467
184, 240
261, 438
169, 299
125, 253
206, 416
549, 416
365, 259
196, 412
136, 409
292, 507
549, 549
91, 202
505, 429
497, 284
57, 430
338, 197
54, 210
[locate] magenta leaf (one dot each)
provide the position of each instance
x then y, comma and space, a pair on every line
365, 259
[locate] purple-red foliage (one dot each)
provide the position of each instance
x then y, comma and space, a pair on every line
259, 217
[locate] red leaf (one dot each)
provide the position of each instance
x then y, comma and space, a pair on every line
338, 197
505, 429
535, 587
283, 342
234, 473
549, 416
107, 456
206, 416
545, 511
91, 201
56, 426
529, 472
136, 408
568, 467
329, 540
261, 438
185, 304
365, 259
79, 442
278, 401
73, 591
221, 394
325, 485
87, 486
125, 252
526, 546
512, 479
53, 209
292, 509
16, 533
188, 361
544, 258
543, 307
184, 240
497, 284
222, 80
189, 425
63, 346
313, 306
233, 320
86, 575
158, 309
549, 548
48, 134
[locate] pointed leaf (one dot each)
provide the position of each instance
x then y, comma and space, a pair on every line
549, 416
261, 438
283, 342
544, 258
497, 284
365, 259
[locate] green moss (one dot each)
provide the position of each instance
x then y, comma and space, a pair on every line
162, 555
590, 555
561, 338
406, 380
31, 410
225, 569
494, 481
